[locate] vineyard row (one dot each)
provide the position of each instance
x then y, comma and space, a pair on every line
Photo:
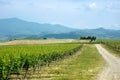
14, 59
112, 44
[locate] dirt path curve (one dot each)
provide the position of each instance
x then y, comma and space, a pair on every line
112, 71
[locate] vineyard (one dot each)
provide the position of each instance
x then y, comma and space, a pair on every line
14, 59
112, 44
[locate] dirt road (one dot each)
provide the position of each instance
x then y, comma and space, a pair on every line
112, 71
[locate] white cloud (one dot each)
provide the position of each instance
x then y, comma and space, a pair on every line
92, 5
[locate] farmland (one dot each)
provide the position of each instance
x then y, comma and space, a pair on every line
55, 60
84, 65
111, 45
19, 42
15, 58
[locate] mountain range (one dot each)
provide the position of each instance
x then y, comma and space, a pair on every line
14, 28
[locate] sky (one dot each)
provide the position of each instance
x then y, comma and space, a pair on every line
82, 14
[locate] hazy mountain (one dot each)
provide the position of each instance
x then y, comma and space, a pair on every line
99, 33
16, 28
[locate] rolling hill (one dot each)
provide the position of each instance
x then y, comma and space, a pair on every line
18, 26
99, 33
12, 28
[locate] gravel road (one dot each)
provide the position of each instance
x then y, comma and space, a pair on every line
112, 71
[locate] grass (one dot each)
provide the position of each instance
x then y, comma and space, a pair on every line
112, 51
84, 65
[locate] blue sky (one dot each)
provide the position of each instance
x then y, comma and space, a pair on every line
80, 14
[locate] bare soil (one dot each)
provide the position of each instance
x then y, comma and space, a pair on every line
16, 42
112, 70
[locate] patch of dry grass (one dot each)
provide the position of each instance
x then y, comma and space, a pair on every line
17, 42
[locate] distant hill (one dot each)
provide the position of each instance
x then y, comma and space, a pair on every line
100, 33
12, 28
18, 26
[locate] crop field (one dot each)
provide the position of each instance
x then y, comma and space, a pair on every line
47, 61
14, 59
84, 65
112, 45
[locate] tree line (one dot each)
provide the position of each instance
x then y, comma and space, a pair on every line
91, 38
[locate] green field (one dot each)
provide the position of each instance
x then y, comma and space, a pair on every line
113, 46
54, 61
84, 65
50, 61
15, 58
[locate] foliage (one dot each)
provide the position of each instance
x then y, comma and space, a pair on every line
14, 58
112, 44
91, 38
